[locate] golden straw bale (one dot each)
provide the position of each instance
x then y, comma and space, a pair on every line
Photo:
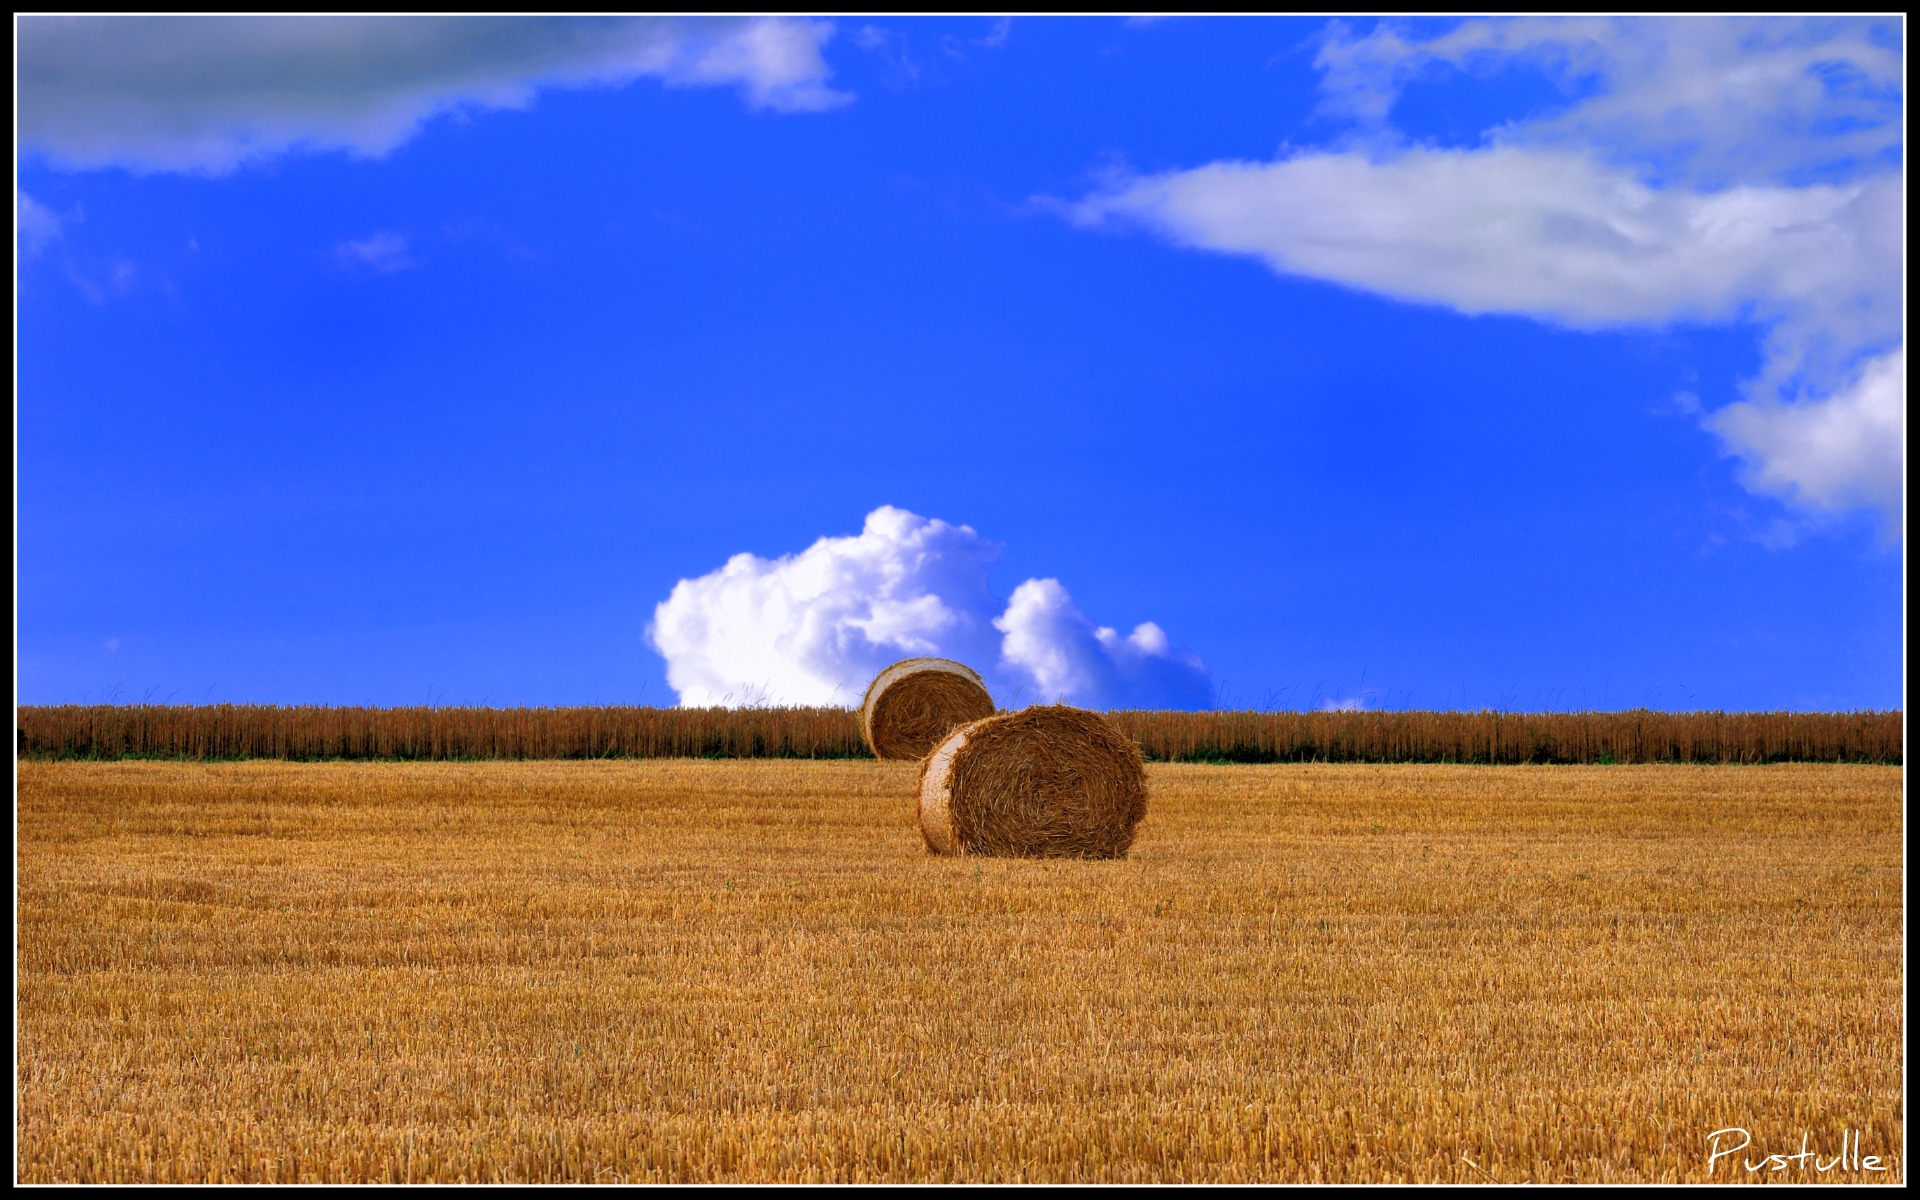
1045, 782
916, 702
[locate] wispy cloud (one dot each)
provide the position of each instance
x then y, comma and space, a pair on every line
1541, 234
1710, 101
815, 627
206, 94
382, 252
101, 278
38, 224
110, 281
1709, 171
890, 46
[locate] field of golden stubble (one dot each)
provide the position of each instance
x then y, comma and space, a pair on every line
690, 970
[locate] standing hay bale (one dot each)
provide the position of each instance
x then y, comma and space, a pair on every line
1045, 782
916, 702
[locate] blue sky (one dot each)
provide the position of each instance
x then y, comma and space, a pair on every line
1534, 364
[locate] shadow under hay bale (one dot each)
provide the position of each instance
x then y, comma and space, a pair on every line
1044, 782
915, 703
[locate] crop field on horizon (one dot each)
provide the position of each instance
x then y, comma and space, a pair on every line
310, 733
687, 970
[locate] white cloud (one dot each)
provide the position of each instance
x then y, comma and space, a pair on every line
209, 93
1537, 233
37, 224
775, 60
1842, 451
1716, 100
1055, 652
1709, 171
816, 626
382, 252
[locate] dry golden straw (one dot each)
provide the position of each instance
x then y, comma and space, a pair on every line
1045, 782
916, 702
681, 970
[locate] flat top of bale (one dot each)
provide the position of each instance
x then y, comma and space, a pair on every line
916, 702
908, 666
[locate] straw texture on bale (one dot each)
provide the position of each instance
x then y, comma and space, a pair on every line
915, 703
1045, 782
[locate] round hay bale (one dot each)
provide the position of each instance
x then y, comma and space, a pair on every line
916, 702
1045, 782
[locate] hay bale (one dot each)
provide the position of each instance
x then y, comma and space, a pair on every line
1045, 782
916, 702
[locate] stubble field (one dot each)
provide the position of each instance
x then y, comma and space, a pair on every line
747, 970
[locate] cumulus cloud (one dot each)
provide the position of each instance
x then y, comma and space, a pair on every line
1052, 650
1703, 170
816, 626
1841, 451
208, 93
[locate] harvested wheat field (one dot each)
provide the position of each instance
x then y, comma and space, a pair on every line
747, 970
